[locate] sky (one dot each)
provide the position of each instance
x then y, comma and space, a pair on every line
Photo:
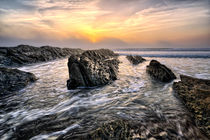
105, 23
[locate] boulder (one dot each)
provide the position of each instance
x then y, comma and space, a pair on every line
25, 54
160, 72
135, 59
92, 68
14, 80
195, 94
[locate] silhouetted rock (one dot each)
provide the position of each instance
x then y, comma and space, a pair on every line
195, 93
25, 54
92, 68
135, 59
160, 72
14, 79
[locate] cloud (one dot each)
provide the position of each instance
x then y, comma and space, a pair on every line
103, 22
15, 4
50, 23
130, 7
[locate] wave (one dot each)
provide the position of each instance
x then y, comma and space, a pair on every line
168, 54
162, 49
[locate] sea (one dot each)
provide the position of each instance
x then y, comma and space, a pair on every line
47, 110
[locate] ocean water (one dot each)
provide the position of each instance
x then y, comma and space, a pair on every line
175, 53
134, 97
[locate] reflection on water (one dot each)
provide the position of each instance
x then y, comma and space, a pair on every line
134, 97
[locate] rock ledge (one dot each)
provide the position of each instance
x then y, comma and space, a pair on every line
13, 80
25, 54
195, 94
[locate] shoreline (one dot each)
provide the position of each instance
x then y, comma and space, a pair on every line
90, 89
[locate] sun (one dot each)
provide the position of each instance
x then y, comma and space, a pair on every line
92, 34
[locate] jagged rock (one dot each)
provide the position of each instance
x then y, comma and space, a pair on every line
92, 68
195, 94
135, 59
160, 72
25, 54
14, 79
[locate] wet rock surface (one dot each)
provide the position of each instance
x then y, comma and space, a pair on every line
195, 94
25, 54
13, 80
92, 68
129, 130
160, 72
42, 125
118, 129
135, 59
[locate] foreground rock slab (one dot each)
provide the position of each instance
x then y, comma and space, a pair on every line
160, 72
135, 59
115, 129
132, 130
195, 93
14, 80
92, 68
25, 54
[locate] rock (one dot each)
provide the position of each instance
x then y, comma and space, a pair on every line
160, 72
195, 94
42, 125
92, 68
152, 138
135, 59
130, 130
14, 80
113, 129
25, 54
163, 134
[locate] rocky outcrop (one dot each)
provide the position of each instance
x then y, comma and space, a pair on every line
135, 59
195, 94
133, 130
111, 130
25, 54
160, 72
92, 68
14, 80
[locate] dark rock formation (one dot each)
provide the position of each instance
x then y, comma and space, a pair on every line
135, 59
25, 54
92, 68
195, 93
132, 130
42, 125
160, 72
14, 79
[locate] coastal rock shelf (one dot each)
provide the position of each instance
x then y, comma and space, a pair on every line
135, 59
132, 130
14, 80
25, 54
92, 68
195, 94
160, 72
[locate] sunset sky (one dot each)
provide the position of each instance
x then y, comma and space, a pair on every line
105, 23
